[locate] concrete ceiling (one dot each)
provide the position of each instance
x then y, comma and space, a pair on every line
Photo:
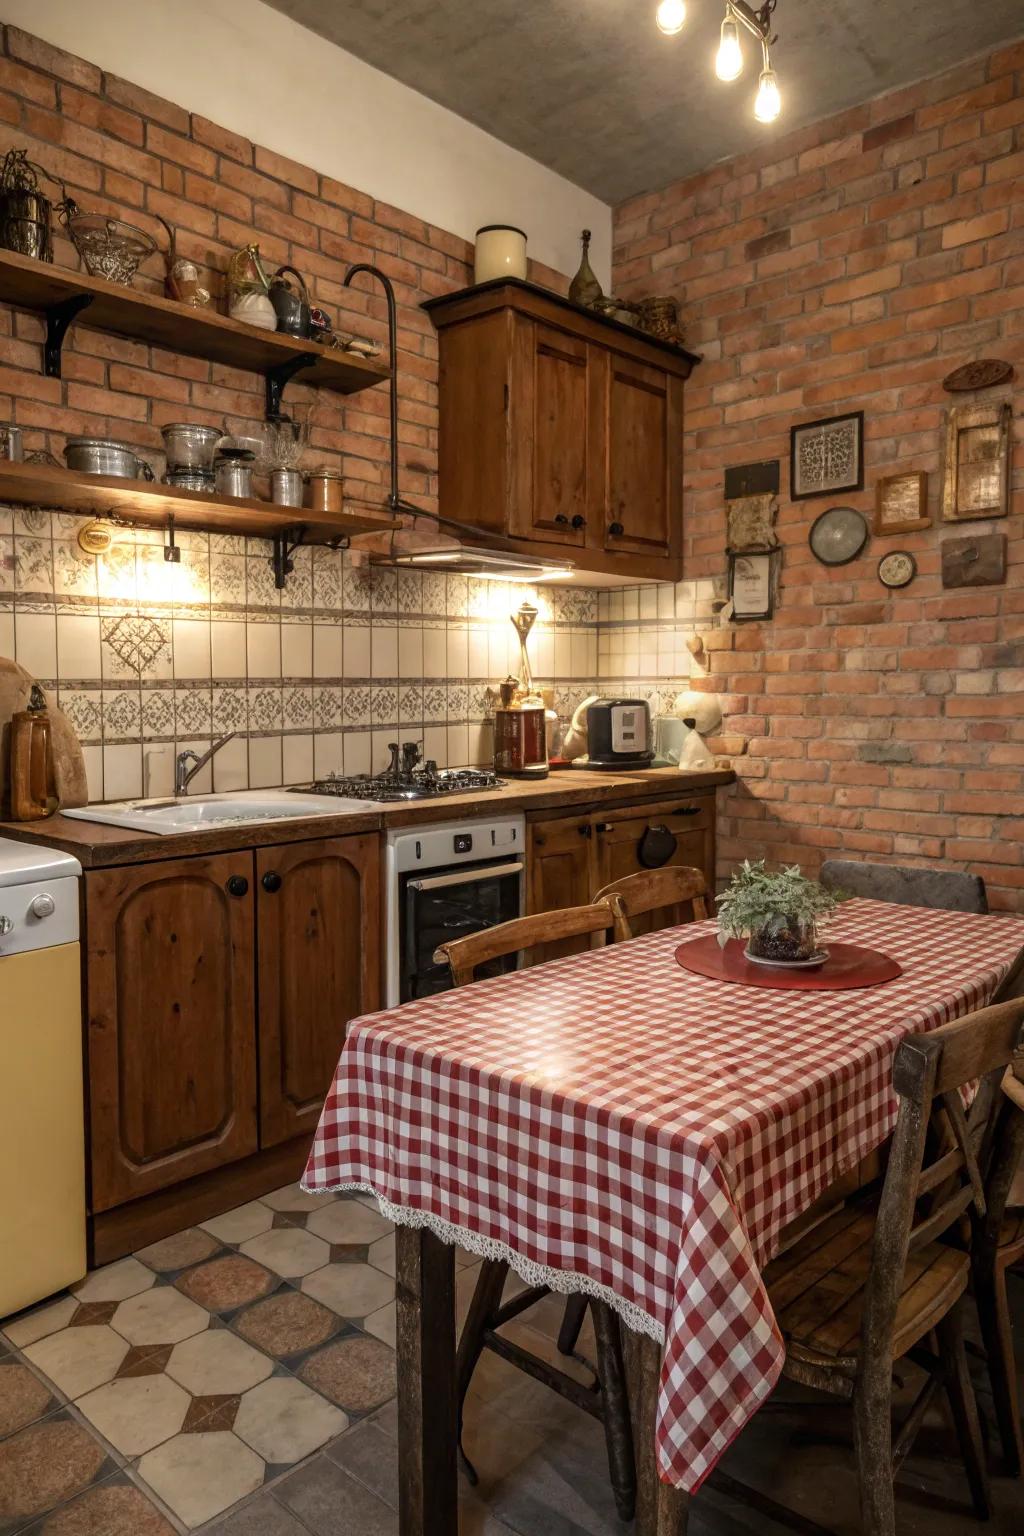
591, 89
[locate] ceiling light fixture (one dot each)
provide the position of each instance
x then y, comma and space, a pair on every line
671, 14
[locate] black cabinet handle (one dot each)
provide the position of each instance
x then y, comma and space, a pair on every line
586, 830
237, 885
616, 530
579, 521
271, 881
560, 517
604, 826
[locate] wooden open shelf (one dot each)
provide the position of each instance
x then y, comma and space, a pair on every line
37, 285
153, 506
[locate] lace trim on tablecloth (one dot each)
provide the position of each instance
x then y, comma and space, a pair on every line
560, 1280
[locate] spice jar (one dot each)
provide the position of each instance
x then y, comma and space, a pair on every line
324, 490
232, 471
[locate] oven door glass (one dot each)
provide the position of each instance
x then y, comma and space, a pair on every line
449, 904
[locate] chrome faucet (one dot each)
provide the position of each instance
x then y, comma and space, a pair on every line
183, 774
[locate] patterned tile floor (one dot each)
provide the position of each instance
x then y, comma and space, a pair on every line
239, 1377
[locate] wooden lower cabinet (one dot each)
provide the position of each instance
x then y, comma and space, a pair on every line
171, 1044
318, 966
559, 853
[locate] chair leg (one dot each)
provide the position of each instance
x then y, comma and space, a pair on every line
618, 1431
965, 1409
872, 1439
572, 1322
997, 1335
485, 1302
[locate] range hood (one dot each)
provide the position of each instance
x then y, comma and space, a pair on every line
468, 560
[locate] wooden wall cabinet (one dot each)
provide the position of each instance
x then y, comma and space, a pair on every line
561, 430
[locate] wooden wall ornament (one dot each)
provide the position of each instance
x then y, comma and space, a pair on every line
983, 374
976, 561
901, 503
976, 477
751, 522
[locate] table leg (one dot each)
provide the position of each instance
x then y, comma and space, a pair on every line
660, 1510
428, 1490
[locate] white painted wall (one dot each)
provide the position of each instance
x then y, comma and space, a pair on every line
260, 74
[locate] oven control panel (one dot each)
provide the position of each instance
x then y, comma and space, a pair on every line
451, 842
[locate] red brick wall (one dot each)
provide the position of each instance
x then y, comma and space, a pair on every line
850, 266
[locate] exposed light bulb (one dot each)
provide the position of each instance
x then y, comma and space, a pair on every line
729, 59
768, 104
670, 16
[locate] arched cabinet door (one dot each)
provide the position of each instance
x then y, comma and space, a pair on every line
171, 1044
318, 966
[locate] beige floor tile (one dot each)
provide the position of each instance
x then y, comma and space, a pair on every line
243, 1222
348, 1221
136, 1413
353, 1290
284, 1421
382, 1254
288, 1251
292, 1198
45, 1320
383, 1324
79, 1359
199, 1476
116, 1282
163, 1316
216, 1362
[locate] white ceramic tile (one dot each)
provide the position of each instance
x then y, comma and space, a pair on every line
476, 663
78, 646
93, 760
296, 759
191, 642
435, 744
7, 633
356, 643
410, 652
383, 651
327, 650
263, 650
328, 753
227, 648
35, 643
264, 762
122, 771
435, 653
458, 745
357, 752
231, 765
296, 650
648, 602
157, 771
457, 651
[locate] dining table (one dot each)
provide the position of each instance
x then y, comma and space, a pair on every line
614, 1125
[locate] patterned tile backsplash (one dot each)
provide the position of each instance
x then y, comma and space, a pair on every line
147, 657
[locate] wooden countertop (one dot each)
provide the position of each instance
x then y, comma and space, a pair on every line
96, 846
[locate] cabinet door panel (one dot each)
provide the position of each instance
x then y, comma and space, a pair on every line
551, 437
618, 841
318, 922
644, 465
559, 863
171, 1038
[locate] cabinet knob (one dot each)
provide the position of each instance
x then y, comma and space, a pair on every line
604, 826
43, 905
579, 521
237, 885
560, 517
271, 881
539, 840
616, 530
586, 830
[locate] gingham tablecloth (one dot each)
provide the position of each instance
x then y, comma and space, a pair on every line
611, 1123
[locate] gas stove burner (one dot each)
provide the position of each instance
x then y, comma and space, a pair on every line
406, 781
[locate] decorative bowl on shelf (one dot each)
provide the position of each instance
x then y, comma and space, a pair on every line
109, 248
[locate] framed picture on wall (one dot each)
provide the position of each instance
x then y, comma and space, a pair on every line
752, 578
901, 503
826, 456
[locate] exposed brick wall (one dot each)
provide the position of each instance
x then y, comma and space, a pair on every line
850, 266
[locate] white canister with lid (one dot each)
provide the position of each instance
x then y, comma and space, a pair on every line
500, 252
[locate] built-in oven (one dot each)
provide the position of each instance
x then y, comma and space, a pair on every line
444, 882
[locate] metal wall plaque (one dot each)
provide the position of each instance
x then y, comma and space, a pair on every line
977, 461
976, 561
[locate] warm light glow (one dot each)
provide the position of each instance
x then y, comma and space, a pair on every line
670, 16
769, 103
729, 59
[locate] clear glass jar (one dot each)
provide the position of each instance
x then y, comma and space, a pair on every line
783, 937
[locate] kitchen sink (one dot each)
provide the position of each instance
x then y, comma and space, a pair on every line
193, 813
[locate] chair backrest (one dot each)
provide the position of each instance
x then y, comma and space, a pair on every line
950, 889
524, 933
675, 890
1012, 984
934, 1177
1005, 1166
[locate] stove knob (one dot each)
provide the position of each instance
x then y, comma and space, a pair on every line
6, 925
43, 906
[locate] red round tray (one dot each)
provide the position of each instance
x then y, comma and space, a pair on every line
847, 966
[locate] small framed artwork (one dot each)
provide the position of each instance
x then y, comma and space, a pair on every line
826, 456
752, 585
976, 477
901, 503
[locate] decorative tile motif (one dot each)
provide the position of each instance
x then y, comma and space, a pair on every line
383, 590
435, 593
193, 712
122, 714
45, 1464
157, 712
356, 1373
74, 572
209, 1413
458, 698
260, 591
358, 588
33, 565
297, 707
327, 581
327, 708
264, 707
230, 709
224, 1284
287, 1324
298, 589
357, 706
227, 579
136, 641
383, 706
410, 591
435, 702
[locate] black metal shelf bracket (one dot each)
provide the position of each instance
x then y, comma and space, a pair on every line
58, 320
285, 544
278, 377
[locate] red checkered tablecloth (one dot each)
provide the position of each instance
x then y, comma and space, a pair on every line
611, 1123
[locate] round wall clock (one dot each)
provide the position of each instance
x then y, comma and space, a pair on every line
838, 535
897, 569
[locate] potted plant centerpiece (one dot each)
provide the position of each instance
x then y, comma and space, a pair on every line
779, 914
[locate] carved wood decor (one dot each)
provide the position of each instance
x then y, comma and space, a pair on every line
977, 461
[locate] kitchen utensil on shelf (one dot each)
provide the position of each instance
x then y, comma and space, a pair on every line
182, 278
25, 214
190, 479
619, 734
291, 303
11, 446
500, 251
189, 446
324, 490
286, 488
104, 456
108, 248
33, 791
232, 471
249, 290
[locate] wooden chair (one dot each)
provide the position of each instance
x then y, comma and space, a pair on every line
607, 1400
948, 889
998, 1243
676, 890
873, 1284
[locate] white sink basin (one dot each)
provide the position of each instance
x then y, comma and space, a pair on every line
191, 814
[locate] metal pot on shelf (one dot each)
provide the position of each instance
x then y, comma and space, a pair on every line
189, 446
104, 456
291, 304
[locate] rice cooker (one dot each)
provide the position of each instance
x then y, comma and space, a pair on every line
619, 734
